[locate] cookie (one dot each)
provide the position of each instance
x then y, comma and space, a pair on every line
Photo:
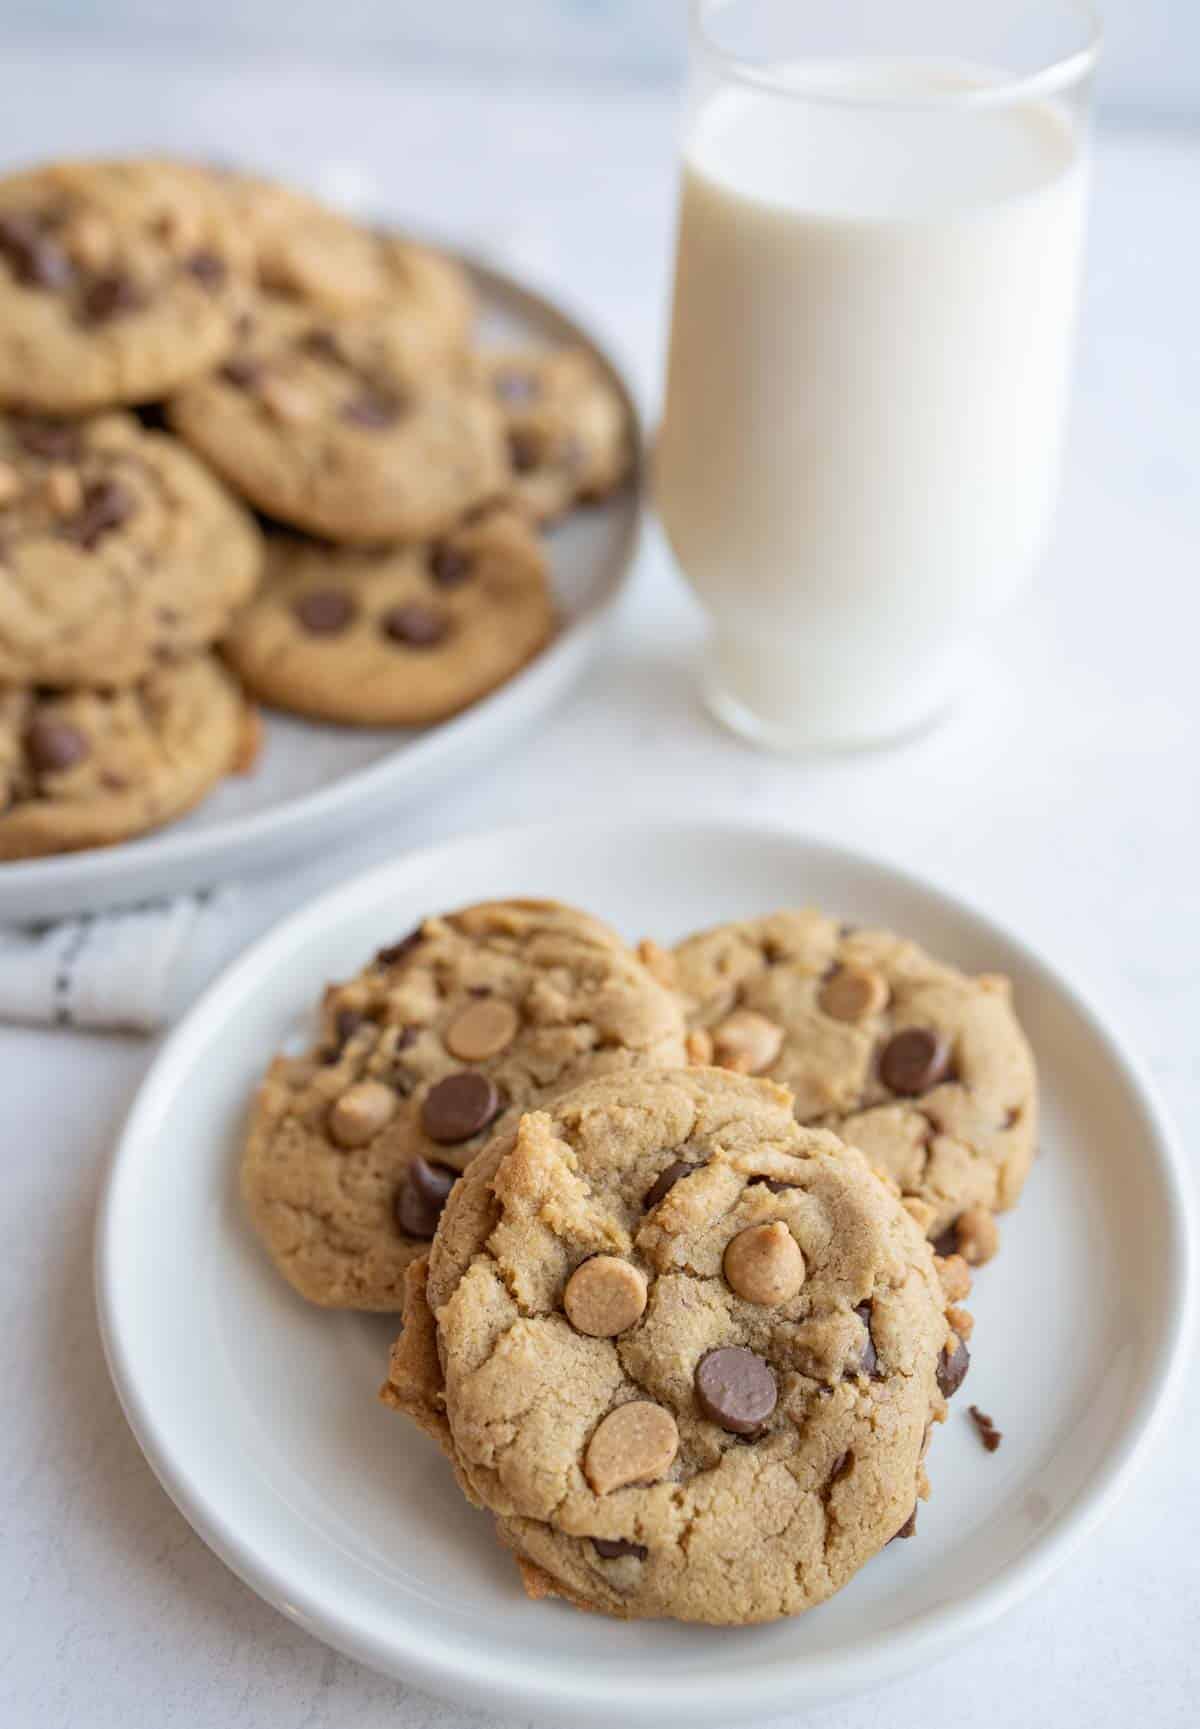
684, 1350
395, 635
923, 1067
439, 1043
305, 252
331, 426
117, 550
119, 282
87, 768
567, 426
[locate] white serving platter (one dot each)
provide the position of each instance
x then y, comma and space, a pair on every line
313, 781
259, 1415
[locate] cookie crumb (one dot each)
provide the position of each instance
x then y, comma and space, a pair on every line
988, 1433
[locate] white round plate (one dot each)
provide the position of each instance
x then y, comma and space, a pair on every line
314, 781
259, 1414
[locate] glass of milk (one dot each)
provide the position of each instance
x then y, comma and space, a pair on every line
878, 262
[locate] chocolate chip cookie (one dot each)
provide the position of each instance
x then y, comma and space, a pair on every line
117, 550
686, 1351
330, 425
923, 1067
87, 768
119, 282
567, 426
395, 635
440, 1042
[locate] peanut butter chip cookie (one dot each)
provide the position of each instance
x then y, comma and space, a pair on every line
731, 1445
397, 635
88, 768
118, 550
567, 427
119, 281
353, 1149
924, 1068
329, 424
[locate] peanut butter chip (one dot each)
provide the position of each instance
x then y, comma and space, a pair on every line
483, 1029
604, 1296
360, 1113
633, 1444
746, 1041
64, 491
10, 483
764, 1264
853, 993
978, 1237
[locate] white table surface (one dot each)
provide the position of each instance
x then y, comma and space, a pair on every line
1063, 795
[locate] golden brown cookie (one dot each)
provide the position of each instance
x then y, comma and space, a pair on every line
569, 437
119, 282
923, 1067
88, 768
330, 424
117, 550
395, 635
733, 1446
440, 1042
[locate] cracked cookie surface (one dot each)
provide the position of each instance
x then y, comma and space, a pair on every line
88, 768
117, 550
921, 1066
566, 424
331, 423
398, 635
441, 1041
119, 281
742, 1424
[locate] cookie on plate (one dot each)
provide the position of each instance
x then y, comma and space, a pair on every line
87, 768
568, 429
119, 282
395, 635
333, 426
117, 550
687, 1352
303, 251
923, 1067
440, 1042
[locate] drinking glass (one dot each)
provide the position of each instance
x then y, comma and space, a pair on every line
877, 267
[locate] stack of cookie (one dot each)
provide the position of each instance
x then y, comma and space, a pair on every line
680, 1239
183, 348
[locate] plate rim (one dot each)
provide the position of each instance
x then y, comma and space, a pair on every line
280, 830
499, 1682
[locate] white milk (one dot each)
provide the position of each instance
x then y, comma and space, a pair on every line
872, 328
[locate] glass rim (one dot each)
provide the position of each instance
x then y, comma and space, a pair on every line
1048, 80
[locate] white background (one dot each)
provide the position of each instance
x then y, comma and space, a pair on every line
1062, 796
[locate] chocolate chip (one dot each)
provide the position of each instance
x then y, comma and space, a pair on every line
613, 1548
324, 611
209, 268
449, 567
388, 957
243, 372
952, 1368
735, 1388
56, 440
989, 1434
321, 343
947, 1242
869, 1363
421, 1197
106, 505
346, 1024
54, 745
34, 256
113, 295
524, 451
459, 1106
374, 408
414, 626
841, 1466
662, 1187
513, 385
908, 1529
405, 1037
771, 1183
914, 1060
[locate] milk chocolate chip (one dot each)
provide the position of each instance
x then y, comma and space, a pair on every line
414, 625
953, 1364
449, 566
735, 1388
459, 1106
662, 1187
614, 1548
915, 1060
324, 611
54, 745
421, 1198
